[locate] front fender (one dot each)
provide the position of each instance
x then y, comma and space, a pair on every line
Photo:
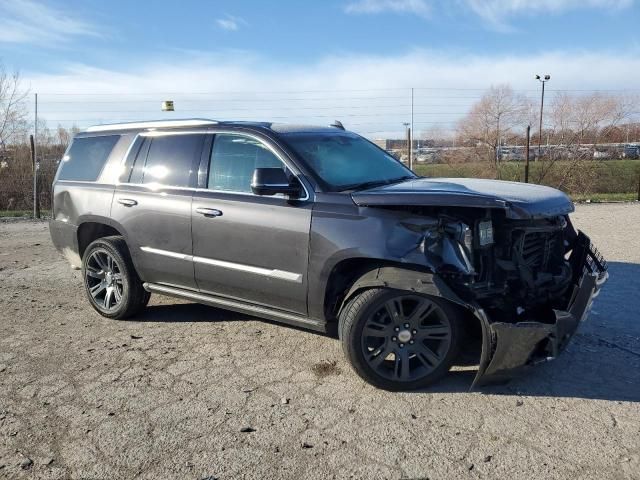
399, 278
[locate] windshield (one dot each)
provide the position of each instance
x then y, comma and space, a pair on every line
346, 161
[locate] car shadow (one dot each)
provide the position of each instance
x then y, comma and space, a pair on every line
602, 361
199, 313
185, 313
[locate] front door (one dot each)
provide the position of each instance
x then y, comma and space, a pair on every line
248, 247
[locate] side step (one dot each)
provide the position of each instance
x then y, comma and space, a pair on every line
236, 306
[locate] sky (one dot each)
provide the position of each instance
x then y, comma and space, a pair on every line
92, 61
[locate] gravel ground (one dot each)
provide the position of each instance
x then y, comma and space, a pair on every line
187, 391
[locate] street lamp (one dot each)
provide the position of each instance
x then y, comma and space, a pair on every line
543, 81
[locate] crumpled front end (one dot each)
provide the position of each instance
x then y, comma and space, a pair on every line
509, 347
529, 282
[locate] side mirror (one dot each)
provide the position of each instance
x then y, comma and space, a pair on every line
269, 181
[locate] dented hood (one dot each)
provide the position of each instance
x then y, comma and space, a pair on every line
519, 200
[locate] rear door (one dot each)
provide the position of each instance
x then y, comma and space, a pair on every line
153, 205
248, 247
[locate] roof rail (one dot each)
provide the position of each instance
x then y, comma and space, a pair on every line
193, 122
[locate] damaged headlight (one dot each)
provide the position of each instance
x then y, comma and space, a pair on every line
459, 253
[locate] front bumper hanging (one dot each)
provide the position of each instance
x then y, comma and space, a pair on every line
509, 347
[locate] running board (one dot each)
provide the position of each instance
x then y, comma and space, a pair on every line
236, 306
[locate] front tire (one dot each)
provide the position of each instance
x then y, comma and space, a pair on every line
111, 282
398, 340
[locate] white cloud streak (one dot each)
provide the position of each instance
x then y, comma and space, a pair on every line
230, 23
497, 12
32, 22
414, 7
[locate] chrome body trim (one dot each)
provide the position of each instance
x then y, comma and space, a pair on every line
266, 272
167, 253
213, 132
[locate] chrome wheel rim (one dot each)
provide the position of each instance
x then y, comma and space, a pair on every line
406, 338
103, 277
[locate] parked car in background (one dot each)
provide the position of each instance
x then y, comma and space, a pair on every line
319, 228
631, 151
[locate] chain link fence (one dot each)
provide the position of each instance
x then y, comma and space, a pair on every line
381, 115
16, 177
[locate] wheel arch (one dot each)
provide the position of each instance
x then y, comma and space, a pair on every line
350, 276
91, 229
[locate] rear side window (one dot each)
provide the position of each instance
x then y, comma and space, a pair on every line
86, 157
233, 160
172, 159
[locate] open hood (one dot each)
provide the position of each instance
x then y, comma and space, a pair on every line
519, 200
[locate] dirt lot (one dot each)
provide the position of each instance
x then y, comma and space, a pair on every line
186, 391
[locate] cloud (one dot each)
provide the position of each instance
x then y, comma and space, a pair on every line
497, 12
28, 21
352, 88
415, 7
230, 23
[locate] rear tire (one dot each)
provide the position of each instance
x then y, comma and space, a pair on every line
399, 340
111, 282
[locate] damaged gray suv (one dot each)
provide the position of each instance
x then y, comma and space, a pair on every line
319, 228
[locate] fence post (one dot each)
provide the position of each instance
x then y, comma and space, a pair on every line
411, 135
639, 184
36, 165
526, 161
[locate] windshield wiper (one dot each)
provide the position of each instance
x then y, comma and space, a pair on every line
375, 183
402, 179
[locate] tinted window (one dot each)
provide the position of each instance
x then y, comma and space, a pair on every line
86, 157
344, 160
233, 160
171, 159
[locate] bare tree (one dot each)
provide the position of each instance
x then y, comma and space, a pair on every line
494, 119
13, 114
578, 123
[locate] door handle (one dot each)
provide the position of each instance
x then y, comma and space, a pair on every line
209, 212
127, 202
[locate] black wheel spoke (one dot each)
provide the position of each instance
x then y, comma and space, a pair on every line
425, 353
435, 332
394, 309
402, 365
378, 356
422, 311
376, 330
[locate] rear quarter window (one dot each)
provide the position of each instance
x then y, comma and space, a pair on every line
86, 157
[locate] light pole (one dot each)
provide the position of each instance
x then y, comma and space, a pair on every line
407, 126
542, 80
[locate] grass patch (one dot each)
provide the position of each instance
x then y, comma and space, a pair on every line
595, 176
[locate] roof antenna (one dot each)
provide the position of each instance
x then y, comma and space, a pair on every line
337, 124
